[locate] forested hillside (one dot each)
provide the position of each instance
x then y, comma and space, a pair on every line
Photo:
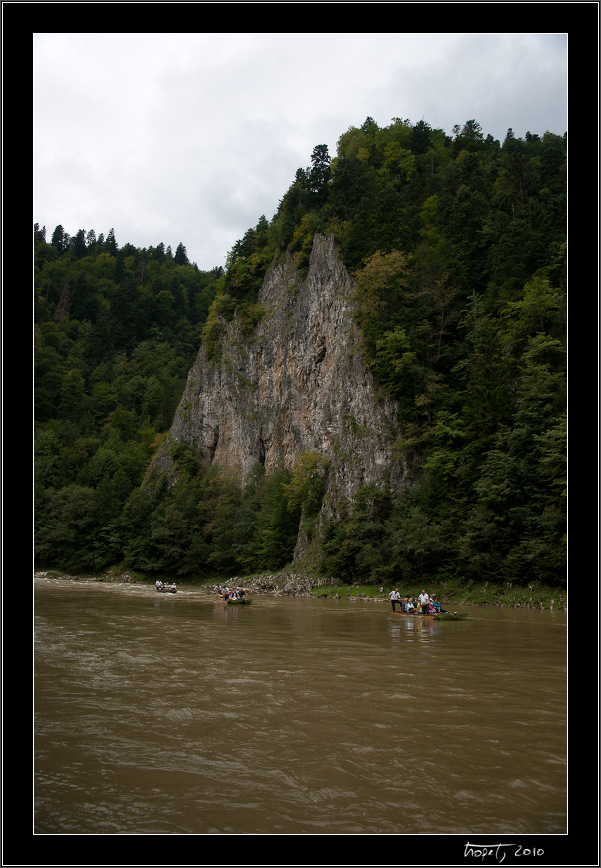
116, 331
457, 245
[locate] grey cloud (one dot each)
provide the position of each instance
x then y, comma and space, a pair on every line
191, 137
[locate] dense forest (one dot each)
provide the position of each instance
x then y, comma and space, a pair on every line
457, 246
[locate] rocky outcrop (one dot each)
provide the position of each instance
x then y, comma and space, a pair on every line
283, 584
299, 384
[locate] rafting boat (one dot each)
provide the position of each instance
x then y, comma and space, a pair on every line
167, 589
233, 601
443, 615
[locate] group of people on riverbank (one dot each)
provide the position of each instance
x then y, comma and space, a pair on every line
424, 604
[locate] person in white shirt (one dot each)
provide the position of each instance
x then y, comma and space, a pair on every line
394, 598
425, 602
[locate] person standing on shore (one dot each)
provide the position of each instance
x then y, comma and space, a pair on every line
425, 602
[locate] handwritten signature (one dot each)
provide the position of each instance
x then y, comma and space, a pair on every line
498, 852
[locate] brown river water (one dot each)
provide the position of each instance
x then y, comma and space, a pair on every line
161, 714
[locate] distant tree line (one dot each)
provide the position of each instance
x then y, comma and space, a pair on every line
457, 245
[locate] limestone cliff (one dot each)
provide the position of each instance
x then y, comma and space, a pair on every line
297, 385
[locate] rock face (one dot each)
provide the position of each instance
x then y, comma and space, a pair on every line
297, 385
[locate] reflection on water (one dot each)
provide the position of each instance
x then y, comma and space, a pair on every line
174, 714
413, 629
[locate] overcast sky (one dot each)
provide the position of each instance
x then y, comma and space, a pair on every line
191, 137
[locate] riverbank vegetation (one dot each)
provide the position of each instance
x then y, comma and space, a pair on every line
457, 245
537, 595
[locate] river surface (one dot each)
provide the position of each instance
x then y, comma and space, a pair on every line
173, 714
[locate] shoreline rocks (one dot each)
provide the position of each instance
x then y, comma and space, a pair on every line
291, 584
